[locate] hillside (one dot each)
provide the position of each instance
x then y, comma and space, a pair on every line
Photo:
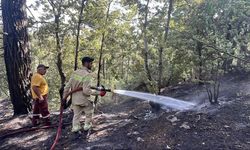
127, 123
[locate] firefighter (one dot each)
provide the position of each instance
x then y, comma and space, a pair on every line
39, 90
82, 102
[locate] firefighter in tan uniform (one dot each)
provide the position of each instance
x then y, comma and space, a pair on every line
82, 100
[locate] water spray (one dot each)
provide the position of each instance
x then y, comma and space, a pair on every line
163, 100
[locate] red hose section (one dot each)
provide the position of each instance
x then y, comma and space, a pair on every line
59, 129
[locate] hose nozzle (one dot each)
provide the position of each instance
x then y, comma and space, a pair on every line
101, 88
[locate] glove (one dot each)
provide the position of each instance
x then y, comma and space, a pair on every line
102, 93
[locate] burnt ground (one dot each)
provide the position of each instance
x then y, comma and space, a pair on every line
127, 123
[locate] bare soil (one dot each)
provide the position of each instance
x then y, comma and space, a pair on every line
127, 123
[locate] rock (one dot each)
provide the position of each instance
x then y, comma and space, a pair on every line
240, 126
238, 146
168, 147
172, 118
185, 126
135, 133
139, 139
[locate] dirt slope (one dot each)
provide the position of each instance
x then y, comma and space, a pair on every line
129, 124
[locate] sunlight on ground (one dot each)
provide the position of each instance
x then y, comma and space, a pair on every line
105, 124
29, 139
16, 123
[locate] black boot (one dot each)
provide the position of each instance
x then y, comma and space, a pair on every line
47, 122
77, 135
35, 121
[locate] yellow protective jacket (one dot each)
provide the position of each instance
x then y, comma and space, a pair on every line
81, 78
39, 81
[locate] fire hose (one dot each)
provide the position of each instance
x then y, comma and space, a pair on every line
62, 106
21, 130
59, 129
8, 133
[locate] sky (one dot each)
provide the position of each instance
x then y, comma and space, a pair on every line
37, 13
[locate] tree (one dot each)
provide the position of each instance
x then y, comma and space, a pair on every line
17, 54
160, 67
57, 12
78, 33
145, 41
100, 65
138, 49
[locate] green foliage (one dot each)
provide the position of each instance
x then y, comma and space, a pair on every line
3, 80
221, 28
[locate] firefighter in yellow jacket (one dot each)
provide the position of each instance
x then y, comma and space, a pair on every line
82, 102
40, 89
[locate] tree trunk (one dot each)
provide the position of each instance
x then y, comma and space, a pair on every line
227, 64
59, 58
145, 40
199, 51
122, 71
57, 13
100, 61
101, 51
155, 107
160, 67
17, 54
78, 33
103, 68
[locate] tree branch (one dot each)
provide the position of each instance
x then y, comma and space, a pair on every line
30, 11
220, 50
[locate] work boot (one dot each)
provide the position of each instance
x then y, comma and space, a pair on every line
85, 134
77, 134
35, 122
88, 132
87, 126
47, 122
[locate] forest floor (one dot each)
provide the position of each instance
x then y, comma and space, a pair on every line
127, 123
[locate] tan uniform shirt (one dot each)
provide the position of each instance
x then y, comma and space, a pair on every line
81, 78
